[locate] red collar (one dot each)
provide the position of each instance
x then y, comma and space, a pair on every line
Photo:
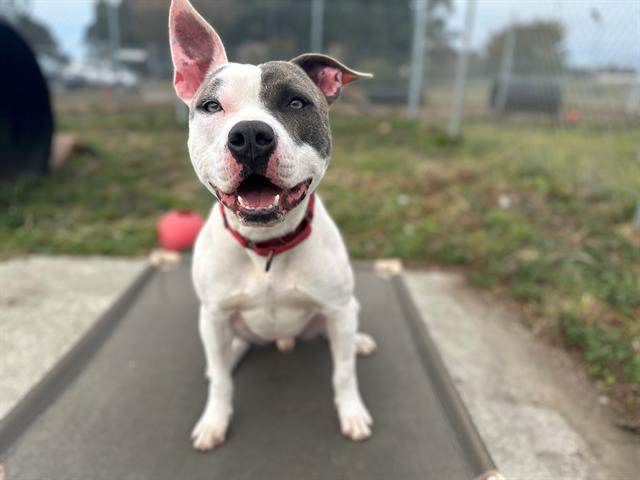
274, 246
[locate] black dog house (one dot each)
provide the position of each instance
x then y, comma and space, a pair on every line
526, 93
26, 119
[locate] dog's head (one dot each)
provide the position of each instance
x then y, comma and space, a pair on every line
259, 135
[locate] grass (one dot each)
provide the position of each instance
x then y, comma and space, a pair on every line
541, 215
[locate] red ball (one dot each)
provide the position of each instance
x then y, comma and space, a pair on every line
573, 116
178, 229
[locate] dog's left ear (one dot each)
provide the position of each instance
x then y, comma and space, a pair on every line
328, 73
196, 48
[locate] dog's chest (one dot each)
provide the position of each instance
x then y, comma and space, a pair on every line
271, 307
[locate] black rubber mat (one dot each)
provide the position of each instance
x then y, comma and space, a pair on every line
122, 404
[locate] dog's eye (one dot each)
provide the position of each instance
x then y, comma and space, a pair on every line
297, 103
211, 106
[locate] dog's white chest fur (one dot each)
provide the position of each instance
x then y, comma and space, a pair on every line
269, 307
265, 306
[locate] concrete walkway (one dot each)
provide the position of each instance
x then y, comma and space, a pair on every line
538, 414
46, 304
539, 418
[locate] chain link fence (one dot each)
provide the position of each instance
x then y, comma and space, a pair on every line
558, 62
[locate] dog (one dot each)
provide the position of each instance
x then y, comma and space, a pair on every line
269, 264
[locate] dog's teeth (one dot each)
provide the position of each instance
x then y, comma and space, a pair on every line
241, 200
277, 200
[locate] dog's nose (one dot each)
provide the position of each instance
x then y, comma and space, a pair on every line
251, 141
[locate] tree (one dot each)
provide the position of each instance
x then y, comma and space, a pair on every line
97, 34
382, 29
539, 47
361, 29
37, 35
143, 24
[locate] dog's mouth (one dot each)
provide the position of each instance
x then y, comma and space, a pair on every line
260, 201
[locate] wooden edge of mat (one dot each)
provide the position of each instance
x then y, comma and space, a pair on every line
44, 393
472, 445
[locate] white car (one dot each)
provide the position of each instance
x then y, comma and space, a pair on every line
98, 73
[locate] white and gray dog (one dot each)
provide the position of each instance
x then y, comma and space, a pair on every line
269, 264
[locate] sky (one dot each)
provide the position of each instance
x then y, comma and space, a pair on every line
67, 19
615, 40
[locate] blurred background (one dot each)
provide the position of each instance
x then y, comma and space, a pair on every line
500, 137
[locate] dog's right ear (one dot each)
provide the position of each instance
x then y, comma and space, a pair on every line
196, 48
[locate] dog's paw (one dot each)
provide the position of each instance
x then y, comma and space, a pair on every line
286, 345
355, 421
210, 431
365, 344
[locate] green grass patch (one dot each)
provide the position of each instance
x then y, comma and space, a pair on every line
608, 352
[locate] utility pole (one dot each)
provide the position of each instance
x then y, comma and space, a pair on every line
113, 25
416, 80
317, 25
461, 72
633, 102
506, 66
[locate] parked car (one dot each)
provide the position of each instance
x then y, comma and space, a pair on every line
98, 73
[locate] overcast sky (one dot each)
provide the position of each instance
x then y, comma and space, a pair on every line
614, 40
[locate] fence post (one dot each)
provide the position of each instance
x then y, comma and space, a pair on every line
506, 66
461, 72
633, 101
113, 25
416, 79
317, 25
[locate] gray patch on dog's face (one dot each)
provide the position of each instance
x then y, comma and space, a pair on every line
283, 81
208, 91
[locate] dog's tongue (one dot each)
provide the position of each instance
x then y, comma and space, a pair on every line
261, 199
258, 192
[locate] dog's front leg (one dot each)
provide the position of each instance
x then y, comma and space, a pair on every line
216, 335
342, 327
